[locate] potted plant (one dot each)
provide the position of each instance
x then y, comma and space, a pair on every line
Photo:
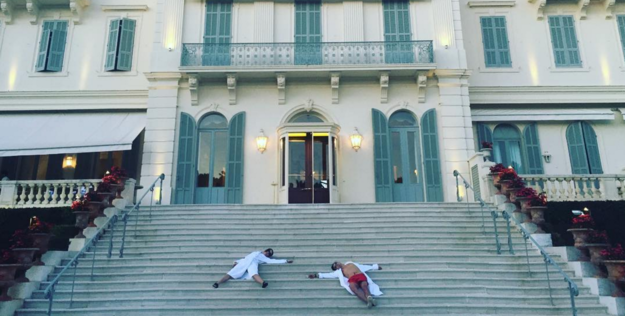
94, 204
41, 234
82, 216
596, 242
581, 227
486, 148
537, 206
495, 172
506, 177
524, 196
121, 176
8, 269
24, 252
515, 186
615, 263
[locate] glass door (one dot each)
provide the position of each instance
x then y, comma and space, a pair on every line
308, 175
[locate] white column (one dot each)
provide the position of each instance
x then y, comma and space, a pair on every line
455, 127
353, 17
7, 193
160, 132
263, 22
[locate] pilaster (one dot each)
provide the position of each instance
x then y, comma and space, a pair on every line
160, 131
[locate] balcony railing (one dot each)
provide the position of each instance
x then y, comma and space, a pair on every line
306, 54
583, 187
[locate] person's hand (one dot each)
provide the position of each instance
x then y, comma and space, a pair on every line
313, 276
289, 261
379, 267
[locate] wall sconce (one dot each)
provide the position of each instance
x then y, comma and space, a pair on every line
69, 161
547, 157
356, 139
261, 141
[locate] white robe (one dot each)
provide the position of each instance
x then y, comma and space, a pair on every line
374, 289
248, 266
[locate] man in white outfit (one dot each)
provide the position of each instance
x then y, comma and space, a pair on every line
353, 278
247, 268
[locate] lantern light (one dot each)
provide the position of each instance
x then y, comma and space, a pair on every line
261, 141
356, 139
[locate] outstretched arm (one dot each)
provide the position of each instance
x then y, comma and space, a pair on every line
264, 259
331, 275
365, 267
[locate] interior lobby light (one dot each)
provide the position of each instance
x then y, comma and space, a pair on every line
356, 139
261, 141
69, 161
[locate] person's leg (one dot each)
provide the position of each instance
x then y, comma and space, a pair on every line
359, 293
364, 285
253, 271
223, 280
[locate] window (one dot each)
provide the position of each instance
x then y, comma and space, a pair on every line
120, 45
484, 134
583, 149
507, 147
621, 29
217, 33
52, 46
397, 32
308, 33
306, 117
564, 41
495, 40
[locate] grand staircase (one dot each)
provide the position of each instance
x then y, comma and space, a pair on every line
436, 261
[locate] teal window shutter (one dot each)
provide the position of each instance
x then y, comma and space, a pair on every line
564, 41
621, 29
382, 164
57, 47
431, 157
484, 134
44, 46
111, 48
577, 149
397, 32
185, 167
532, 150
592, 149
234, 172
126, 44
308, 32
495, 41
217, 33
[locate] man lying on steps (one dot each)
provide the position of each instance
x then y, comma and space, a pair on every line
353, 278
247, 268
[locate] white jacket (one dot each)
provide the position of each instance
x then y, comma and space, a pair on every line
338, 274
248, 266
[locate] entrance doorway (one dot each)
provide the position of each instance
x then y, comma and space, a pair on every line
405, 158
308, 178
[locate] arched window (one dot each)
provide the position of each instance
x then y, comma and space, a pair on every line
307, 117
405, 157
583, 149
507, 147
212, 151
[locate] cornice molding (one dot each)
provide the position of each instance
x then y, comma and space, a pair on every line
122, 7
73, 100
491, 3
547, 94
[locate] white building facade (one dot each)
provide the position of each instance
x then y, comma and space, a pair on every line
262, 102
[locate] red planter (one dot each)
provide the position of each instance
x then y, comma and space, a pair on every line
616, 274
7, 279
94, 212
581, 240
537, 214
40, 241
595, 256
524, 204
496, 179
513, 192
24, 255
82, 221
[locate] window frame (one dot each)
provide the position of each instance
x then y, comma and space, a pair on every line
68, 47
479, 45
498, 65
580, 44
134, 70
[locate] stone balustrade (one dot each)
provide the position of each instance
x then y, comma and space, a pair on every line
583, 187
44, 193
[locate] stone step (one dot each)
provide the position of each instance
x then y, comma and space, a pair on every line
312, 299
303, 224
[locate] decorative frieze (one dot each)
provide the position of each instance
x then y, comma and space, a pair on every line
232, 88
335, 77
281, 82
384, 80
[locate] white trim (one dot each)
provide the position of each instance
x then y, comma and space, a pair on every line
505, 12
491, 3
619, 45
514, 115
68, 47
582, 55
123, 7
135, 53
547, 94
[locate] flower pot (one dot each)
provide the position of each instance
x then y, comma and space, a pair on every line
505, 184
24, 255
537, 213
523, 203
581, 236
94, 212
513, 192
82, 221
7, 279
496, 179
105, 198
595, 254
487, 153
616, 274
40, 241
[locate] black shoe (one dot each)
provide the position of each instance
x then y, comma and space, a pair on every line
265, 284
215, 285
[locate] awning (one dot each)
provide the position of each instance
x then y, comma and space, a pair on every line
499, 115
69, 133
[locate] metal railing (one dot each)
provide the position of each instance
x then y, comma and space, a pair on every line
573, 289
93, 242
306, 54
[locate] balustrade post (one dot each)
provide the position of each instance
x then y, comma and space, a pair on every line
572, 293
8, 193
55, 194
600, 193
494, 215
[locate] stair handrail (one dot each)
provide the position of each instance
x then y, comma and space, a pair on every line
573, 289
50, 289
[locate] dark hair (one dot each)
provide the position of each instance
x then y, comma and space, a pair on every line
269, 251
334, 267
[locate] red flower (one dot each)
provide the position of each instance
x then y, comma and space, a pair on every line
508, 174
527, 193
39, 227
539, 200
583, 221
118, 172
487, 145
21, 239
517, 183
614, 253
7, 257
596, 237
498, 168
78, 205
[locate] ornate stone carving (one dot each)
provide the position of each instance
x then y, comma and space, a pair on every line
32, 6
540, 12
422, 82
309, 105
609, 8
583, 8
384, 81
335, 78
403, 104
213, 107
76, 7
7, 9
232, 88
194, 84
281, 81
